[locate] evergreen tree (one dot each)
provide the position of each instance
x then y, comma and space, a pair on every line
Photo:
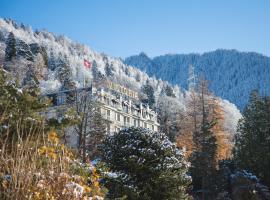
108, 70
10, 47
96, 134
19, 109
98, 78
36, 49
52, 61
64, 73
203, 159
145, 165
252, 141
24, 50
170, 116
148, 90
2, 37
30, 80
127, 71
169, 91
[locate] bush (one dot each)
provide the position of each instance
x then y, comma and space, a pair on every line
144, 165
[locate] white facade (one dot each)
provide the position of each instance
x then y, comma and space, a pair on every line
123, 111
121, 108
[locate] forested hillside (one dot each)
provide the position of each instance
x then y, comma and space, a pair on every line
55, 63
232, 74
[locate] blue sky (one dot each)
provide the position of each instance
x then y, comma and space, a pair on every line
127, 27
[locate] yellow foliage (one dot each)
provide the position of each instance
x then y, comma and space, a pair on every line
52, 137
52, 174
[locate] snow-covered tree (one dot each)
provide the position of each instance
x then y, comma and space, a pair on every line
2, 37
23, 50
30, 81
148, 90
144, 165
36, 49
168, 91
10, 47
170, 115
109, 70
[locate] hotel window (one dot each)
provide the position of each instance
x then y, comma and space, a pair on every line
108, 114
125, 121
118, 117
145, 125
153, 128
135, 122
125, 108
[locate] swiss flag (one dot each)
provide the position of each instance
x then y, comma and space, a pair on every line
87, 64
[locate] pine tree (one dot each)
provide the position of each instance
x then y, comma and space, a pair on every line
10, 47
127, 71
203, 159
96, 134
2, 37
52, 61
64, 73
169, 116
148, 90
36, 49
23, 50
19, 109
145, 165
169, 91
252, 141
98, 78
108, 70
30, 80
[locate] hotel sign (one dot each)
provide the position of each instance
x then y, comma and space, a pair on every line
123, 90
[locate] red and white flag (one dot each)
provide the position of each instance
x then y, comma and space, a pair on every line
87, 64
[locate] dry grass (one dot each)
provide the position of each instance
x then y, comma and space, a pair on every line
38, 166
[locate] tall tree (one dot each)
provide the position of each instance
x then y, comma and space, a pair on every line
23, 50
98, 77
10, 47
170, 115
108, 70
168, 90
148, 90
20, 108
2, 37
252, 141
204, 157
91, 127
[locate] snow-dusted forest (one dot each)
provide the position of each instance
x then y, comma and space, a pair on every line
233, 74
57, 59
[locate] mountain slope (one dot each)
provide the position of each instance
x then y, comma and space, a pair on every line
232, 74
56, 63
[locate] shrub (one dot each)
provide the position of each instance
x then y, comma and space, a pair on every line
144, 165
